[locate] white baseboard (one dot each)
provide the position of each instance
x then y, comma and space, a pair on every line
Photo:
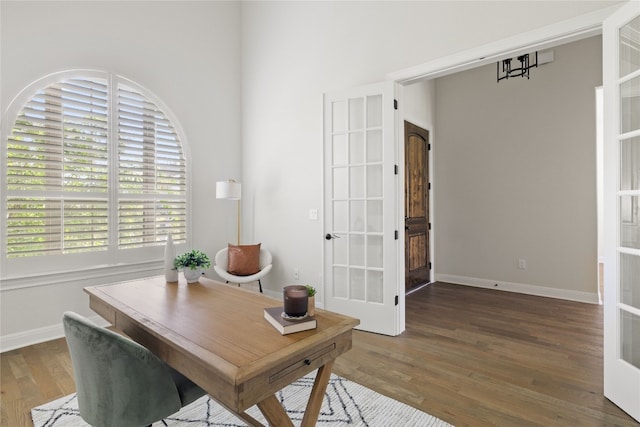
38, 335
521, 288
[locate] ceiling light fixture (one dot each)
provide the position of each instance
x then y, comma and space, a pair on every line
521, 71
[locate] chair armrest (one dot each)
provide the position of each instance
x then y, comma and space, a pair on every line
242, 279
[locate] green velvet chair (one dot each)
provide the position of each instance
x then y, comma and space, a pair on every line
119, 382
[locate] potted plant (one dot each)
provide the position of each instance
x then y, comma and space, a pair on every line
192, 263
311, 306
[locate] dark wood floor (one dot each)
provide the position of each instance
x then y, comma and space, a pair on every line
478, 357
31, 376
470, 356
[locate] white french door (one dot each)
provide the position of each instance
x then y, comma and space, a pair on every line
621, 81
360, 207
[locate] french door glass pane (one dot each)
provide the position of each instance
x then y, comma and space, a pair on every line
374, 286
339, 116
630, 338
630, 280
374, 146
339, 149
630, 164
374, 111
630, 47
356, 113
629, 226
356, 182
340, 216
630, 105
374, 216
357, 284
374, 251
340, 181
374, 181
340, 251
356, 147
356, 250
340, 282
357, 216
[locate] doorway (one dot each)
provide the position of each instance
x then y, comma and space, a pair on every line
620, 385
417, 224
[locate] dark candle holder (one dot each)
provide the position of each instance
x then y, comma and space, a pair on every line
296, 299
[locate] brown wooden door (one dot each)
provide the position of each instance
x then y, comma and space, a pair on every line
416, 196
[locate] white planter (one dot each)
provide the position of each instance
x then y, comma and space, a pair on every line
192, 276
170, 273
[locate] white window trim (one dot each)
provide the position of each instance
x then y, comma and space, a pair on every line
15, 275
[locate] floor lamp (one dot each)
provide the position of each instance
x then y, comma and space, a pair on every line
230, 190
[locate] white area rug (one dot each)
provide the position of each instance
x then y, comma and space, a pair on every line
345, 404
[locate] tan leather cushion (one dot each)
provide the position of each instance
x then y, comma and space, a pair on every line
244, 260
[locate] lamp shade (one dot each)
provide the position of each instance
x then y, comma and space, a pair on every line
228, 190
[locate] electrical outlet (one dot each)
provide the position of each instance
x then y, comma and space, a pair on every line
296, 273
522, 264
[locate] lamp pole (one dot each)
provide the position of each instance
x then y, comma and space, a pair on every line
238, 221
230, 190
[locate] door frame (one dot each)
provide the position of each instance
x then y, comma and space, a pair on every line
403, 116
563, 32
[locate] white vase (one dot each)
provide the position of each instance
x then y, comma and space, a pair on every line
192, 276
170, 273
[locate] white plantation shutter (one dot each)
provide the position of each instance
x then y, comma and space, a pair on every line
56, 151
34, 226
151, 167
65, 142
85, 225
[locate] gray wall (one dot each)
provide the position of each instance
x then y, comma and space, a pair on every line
516, 175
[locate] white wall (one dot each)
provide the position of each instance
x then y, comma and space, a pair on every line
293, 52
186, 53
516, 175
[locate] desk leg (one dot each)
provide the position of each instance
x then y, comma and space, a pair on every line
317, 395
274, 412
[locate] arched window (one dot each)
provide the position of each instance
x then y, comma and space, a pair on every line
93, 167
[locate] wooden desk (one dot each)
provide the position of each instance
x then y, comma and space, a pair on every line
215, 334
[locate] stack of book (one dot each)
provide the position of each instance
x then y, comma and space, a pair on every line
286, 326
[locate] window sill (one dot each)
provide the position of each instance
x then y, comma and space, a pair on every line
92, 276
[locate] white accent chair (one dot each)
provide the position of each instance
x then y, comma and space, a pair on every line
222, 264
